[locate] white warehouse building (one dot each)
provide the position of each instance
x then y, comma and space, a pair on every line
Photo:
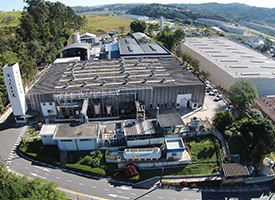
228, 62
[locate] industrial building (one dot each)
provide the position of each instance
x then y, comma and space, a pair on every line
228, 62
113, 89
229, 28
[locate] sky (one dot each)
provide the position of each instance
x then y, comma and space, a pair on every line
9, 5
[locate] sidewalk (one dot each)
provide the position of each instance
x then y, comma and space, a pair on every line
4, 117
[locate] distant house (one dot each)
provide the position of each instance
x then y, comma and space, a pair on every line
88, 38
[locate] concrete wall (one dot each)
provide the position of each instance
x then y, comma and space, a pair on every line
86, 144
218, 76
48, 139
132, 143
77, 144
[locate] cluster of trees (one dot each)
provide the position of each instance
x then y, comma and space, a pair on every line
16, 187
158, 10
44, 30
188, 60
256, 131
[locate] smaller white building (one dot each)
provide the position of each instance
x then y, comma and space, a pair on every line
47, 132
174, 148
76, 138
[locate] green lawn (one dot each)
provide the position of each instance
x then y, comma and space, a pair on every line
100, 24
15, 15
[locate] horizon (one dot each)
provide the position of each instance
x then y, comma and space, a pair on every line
19, 4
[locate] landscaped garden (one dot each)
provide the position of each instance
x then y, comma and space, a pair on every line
204, 154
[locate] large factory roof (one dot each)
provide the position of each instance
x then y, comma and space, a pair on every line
115, 74
235, 59
130, 47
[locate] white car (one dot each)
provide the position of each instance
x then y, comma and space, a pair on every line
229, 108
218, 97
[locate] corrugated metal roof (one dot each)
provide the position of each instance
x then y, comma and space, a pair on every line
170, 120
77, 45
234, 169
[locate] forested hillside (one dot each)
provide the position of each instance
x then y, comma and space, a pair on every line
169, 12
233, 11
44, 30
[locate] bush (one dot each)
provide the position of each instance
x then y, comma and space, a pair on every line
96, 162
87, 160
130, 170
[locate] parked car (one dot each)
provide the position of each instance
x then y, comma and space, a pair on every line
229, 108
218, 97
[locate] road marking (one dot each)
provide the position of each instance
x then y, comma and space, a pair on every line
160, 197
42, 168
106, 189
69, 181
133, 194
116, 196
119, 192
27, 167
46, 174
57, 177
36, 171
93, 186
125, 188
81, 184
175, 198
38, 176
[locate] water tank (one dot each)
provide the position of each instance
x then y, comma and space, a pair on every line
109, 109
144, 153
266, 166
97, 108
195, 122
76, 38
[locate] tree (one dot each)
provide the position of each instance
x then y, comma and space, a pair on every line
186, 58
138, 26
205, 75
196, 66
122, 29
222, 120
170, 39
15, 187
259, 136
243, 93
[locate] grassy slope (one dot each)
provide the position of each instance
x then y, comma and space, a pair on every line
104, 23
16, 14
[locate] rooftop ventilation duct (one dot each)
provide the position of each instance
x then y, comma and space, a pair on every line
126, 82
145, 80
103, 83
84, 84
96, 76
128, 75
66, 86
163, 80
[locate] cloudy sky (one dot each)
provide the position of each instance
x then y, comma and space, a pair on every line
8, 5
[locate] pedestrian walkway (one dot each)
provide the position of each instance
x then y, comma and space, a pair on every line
5, 115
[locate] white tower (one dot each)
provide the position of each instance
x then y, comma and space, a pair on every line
15, 90
161, 23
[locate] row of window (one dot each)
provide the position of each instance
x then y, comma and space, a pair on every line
81, 140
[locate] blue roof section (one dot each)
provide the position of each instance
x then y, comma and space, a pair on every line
112, 47
77, 46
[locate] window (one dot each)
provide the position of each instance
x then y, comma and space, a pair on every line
49, 111
165, 105
66, 140
174, 154
44, 104
173, 104
83, 140
50, 103
151, 106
